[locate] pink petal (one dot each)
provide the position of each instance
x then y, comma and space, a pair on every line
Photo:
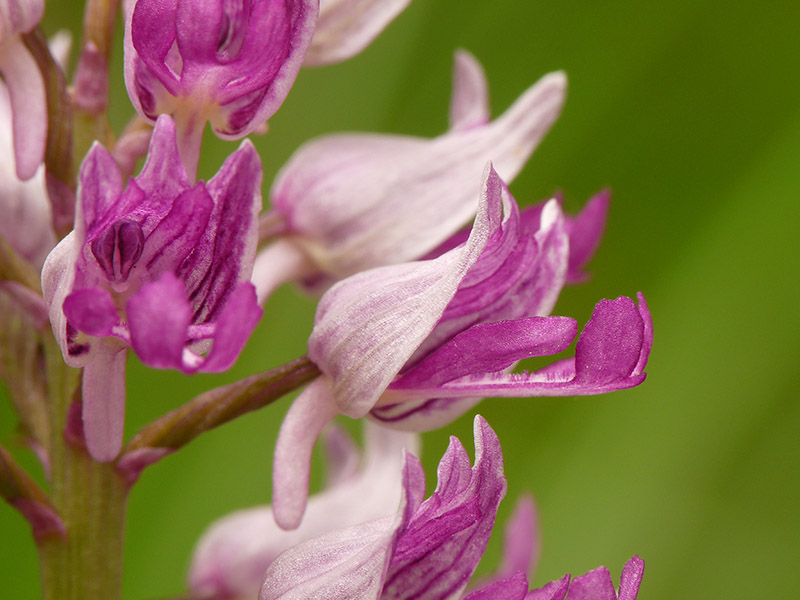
346, 27
594, 585
361, 201
387, 312
28, 105
104, 402
631, 579
514, 587
159, 316
309, 414
92, 311
233, 327
555, 590
469, 101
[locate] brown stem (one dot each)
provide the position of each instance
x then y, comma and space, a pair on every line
210, 410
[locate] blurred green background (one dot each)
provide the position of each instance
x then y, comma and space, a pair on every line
689, 112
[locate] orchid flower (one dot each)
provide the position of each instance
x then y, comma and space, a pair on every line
417, 344
230, 63
161, 266
232, 556
350, 202
25, 84
429, 549
346, 27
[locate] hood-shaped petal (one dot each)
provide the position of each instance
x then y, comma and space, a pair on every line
346, 27
227, 62
342, 565
346, 564
386, 313
439, 549
353, 202
232, 556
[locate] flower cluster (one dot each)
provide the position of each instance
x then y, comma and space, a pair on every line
421, 316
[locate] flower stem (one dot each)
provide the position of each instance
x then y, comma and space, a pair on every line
86, 563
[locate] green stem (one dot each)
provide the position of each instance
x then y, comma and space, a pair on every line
85, 564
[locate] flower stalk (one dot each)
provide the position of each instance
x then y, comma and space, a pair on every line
86, 563
211, 409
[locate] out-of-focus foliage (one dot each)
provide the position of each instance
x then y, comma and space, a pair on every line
690, 112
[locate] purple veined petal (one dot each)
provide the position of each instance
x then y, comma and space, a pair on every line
350, 563
444, 540
227, 63
387, 312
311, 411
514, 587
631, 579
271, 53
159, 316
346, 27
548, 274
594, 585
609, 356
235, 323
225, 254
104, 401
99, 190
490, 283
489, 348
231, 558
151, 31
585, 231
28, 104
469, 100
92, 311
555, 590
177, 235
